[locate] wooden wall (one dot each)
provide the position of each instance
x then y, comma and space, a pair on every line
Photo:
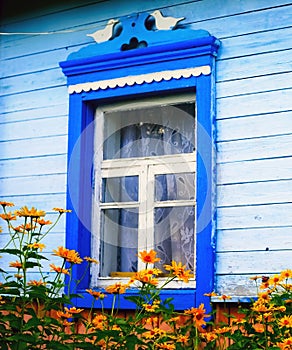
254, 121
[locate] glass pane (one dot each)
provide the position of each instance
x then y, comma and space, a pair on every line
119, 243
174, 235
175, 187
120, 189
150, 131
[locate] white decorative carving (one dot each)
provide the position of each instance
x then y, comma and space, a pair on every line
105, 34
165, 23
140, 79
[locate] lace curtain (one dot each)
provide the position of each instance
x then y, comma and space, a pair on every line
157, 131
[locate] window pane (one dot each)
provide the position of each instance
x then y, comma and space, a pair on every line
119, 243
175, 187
120, 189
174, 235
150, 131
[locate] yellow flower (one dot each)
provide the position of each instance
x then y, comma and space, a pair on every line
182, 339
1, 229
70, 256
33, 212
146, 276
153, 333
148, 257
178, 270
90, 260
198, 315
286, 321
18, 276
28, 227
58, 269
117, 288
222, 330
150, 307
210, 336
16, 264
99, 322
35, 245
6, 204
61, 211
274, 280
8, 216
286, 274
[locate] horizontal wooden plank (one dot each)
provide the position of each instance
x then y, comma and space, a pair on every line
253, 216
268, 192
254, 126
33, 166
60, 110
257, 43
253, 262
54, 183
269, 19
255, 170
28, 82
33, 147
40, 98
38, 128
259, 103
263, 239
255, 65
236, 285
253, 85
257, 148
40, 201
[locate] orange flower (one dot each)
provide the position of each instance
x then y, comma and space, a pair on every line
90, 260
117, 288
95, 294
153, 333
198, 315
222, 330
36, 283
224, 297
274, 280
62, 314
148, 257
165, 346
62, 211
28, 227
43, 222
35, 245
182, 339
178, 270
73, 310
33, 212
146, 276
70, 256
6, 204
8, 216
58, 269
16, 264
210, 336
286, 344
212, 294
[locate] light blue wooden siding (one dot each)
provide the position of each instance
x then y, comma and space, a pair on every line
254, 119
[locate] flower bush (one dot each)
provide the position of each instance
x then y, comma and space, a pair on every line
38, 314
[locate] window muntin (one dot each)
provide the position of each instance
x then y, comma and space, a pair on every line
148, 182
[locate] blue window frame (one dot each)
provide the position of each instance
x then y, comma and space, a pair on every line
170, 62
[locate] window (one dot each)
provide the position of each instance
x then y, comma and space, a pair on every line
140, 155
145, 199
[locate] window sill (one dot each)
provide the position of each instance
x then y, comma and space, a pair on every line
182, 299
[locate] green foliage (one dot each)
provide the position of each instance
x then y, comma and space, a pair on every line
33, 314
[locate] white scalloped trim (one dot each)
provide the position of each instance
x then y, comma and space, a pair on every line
140, 79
